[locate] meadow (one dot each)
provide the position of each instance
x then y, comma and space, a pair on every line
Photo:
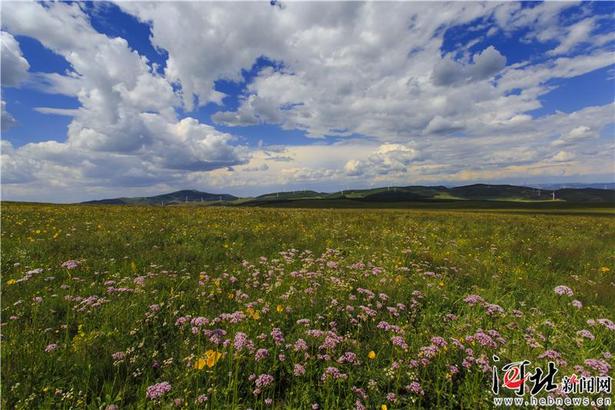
111, 307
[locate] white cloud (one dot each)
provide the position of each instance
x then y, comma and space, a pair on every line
372, 73
126, 130
14, 65
7, 120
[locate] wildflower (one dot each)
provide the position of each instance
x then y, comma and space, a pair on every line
577, 304
399, 342
51, 347
607, 323
209, 359
261, 354
415, 388
553, 356
600, 366
70, 264
279, 308
493, 309
263, 380
383, 407
333, 373
268, 402
371, 355
300, 346
118, 356
277, 336
11, 282
563, 290
202, 399
473, 300
586, 334
298, 370
158, 390
241, 342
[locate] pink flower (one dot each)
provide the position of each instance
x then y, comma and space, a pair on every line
577, 304
261, 354
298, 370
586, 334
118, 356
157, 390
415, 388
473, 300
399, 342
51, 347
563, 290
71, 264
600, 366
333, 373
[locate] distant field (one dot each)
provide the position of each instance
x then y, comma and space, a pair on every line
212, 307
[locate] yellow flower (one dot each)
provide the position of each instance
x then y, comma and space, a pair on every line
371, 355
279, 308
11, 282
441, 284
209, 359
254, 314
604, 269
200, 363
383, 407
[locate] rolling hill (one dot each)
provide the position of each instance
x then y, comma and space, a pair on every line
385, 195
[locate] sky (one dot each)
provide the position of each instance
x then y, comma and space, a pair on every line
140, 98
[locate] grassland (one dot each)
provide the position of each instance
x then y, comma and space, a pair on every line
206, 307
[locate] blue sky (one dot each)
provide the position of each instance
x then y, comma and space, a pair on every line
112, 99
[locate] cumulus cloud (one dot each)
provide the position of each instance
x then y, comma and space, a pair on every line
373, 75
484, 66
7, 120
14, 65
126, 130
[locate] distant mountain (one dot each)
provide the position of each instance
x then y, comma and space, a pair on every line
186, 195
576, 185
477, 192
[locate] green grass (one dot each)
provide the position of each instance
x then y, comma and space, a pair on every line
206, 262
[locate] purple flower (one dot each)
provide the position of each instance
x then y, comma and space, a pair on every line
563, 290
391, 397
600, 366
473, 300
261, 354
415, 388
493, 309
70, 264
242, 342
586, 334
607, 323
157, 390
333, 373
263, 380
268, 402
399, 342
348, 357
202, 399
277, 336
300, 345
577, 304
